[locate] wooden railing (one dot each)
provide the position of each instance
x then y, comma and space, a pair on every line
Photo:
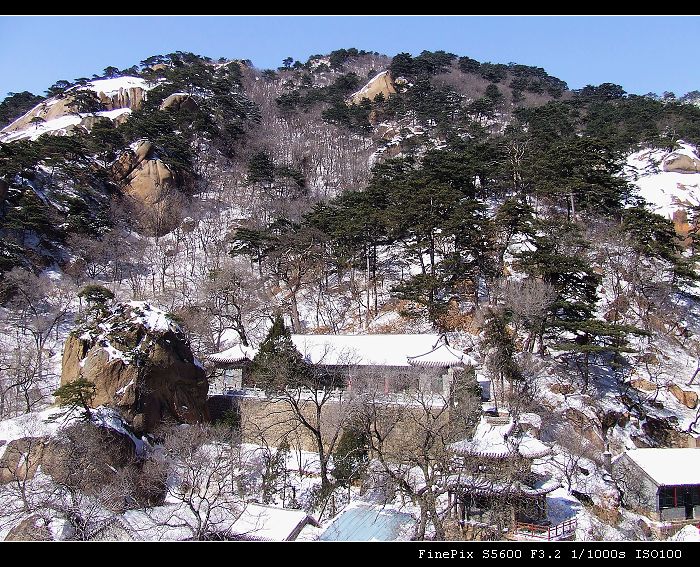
546, 532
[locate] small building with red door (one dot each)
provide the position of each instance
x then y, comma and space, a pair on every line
664, 483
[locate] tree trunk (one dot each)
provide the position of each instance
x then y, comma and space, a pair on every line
422, 524
296, 320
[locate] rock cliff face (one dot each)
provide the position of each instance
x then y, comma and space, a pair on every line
150, 182
141, 365
382, 83
131, 97
124, 97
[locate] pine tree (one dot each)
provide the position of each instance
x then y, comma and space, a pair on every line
77, 394
278, 364
351, 456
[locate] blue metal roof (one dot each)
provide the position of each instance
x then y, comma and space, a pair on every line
365, 523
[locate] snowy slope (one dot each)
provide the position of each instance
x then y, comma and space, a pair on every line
59, 125
112, 86
666, 192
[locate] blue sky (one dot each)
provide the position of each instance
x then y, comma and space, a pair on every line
643, 54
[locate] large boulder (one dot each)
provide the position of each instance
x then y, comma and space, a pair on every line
179, 101
663, 432
586, 427
681, 163
32, 528
21, 459
643, 385
150, 182
94, 452
687, 397
141, 364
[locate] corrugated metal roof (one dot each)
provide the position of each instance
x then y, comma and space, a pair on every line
368, 523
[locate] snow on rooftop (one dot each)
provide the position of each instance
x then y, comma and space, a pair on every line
268, 523
426, 349
497, 440
441, 357
364, 350
175, 522
236, 353
669, 467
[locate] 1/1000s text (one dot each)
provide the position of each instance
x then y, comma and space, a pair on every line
551, 553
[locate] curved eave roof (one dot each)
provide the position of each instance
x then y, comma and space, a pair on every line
442, 356
237, 353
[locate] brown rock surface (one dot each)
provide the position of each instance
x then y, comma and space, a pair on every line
688, 398
21, 459
150, 182
132, 98
586, 427
680, 163
148, 374
179, 101
47, 111
33, 528
382, 83
643, 385
663, 433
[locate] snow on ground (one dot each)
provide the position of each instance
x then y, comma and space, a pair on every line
112, 86
59, 125
152, 318
50, 421
34, 424
688, 533
665, 191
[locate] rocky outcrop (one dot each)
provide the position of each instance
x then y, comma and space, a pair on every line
381, 84
151, 184
179, 101
688, 398
47, 110
681, 163
58, 456
663, 433
586, 427
131, 97
33, 528
141, 365
643, 385
4, 187
22, 458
